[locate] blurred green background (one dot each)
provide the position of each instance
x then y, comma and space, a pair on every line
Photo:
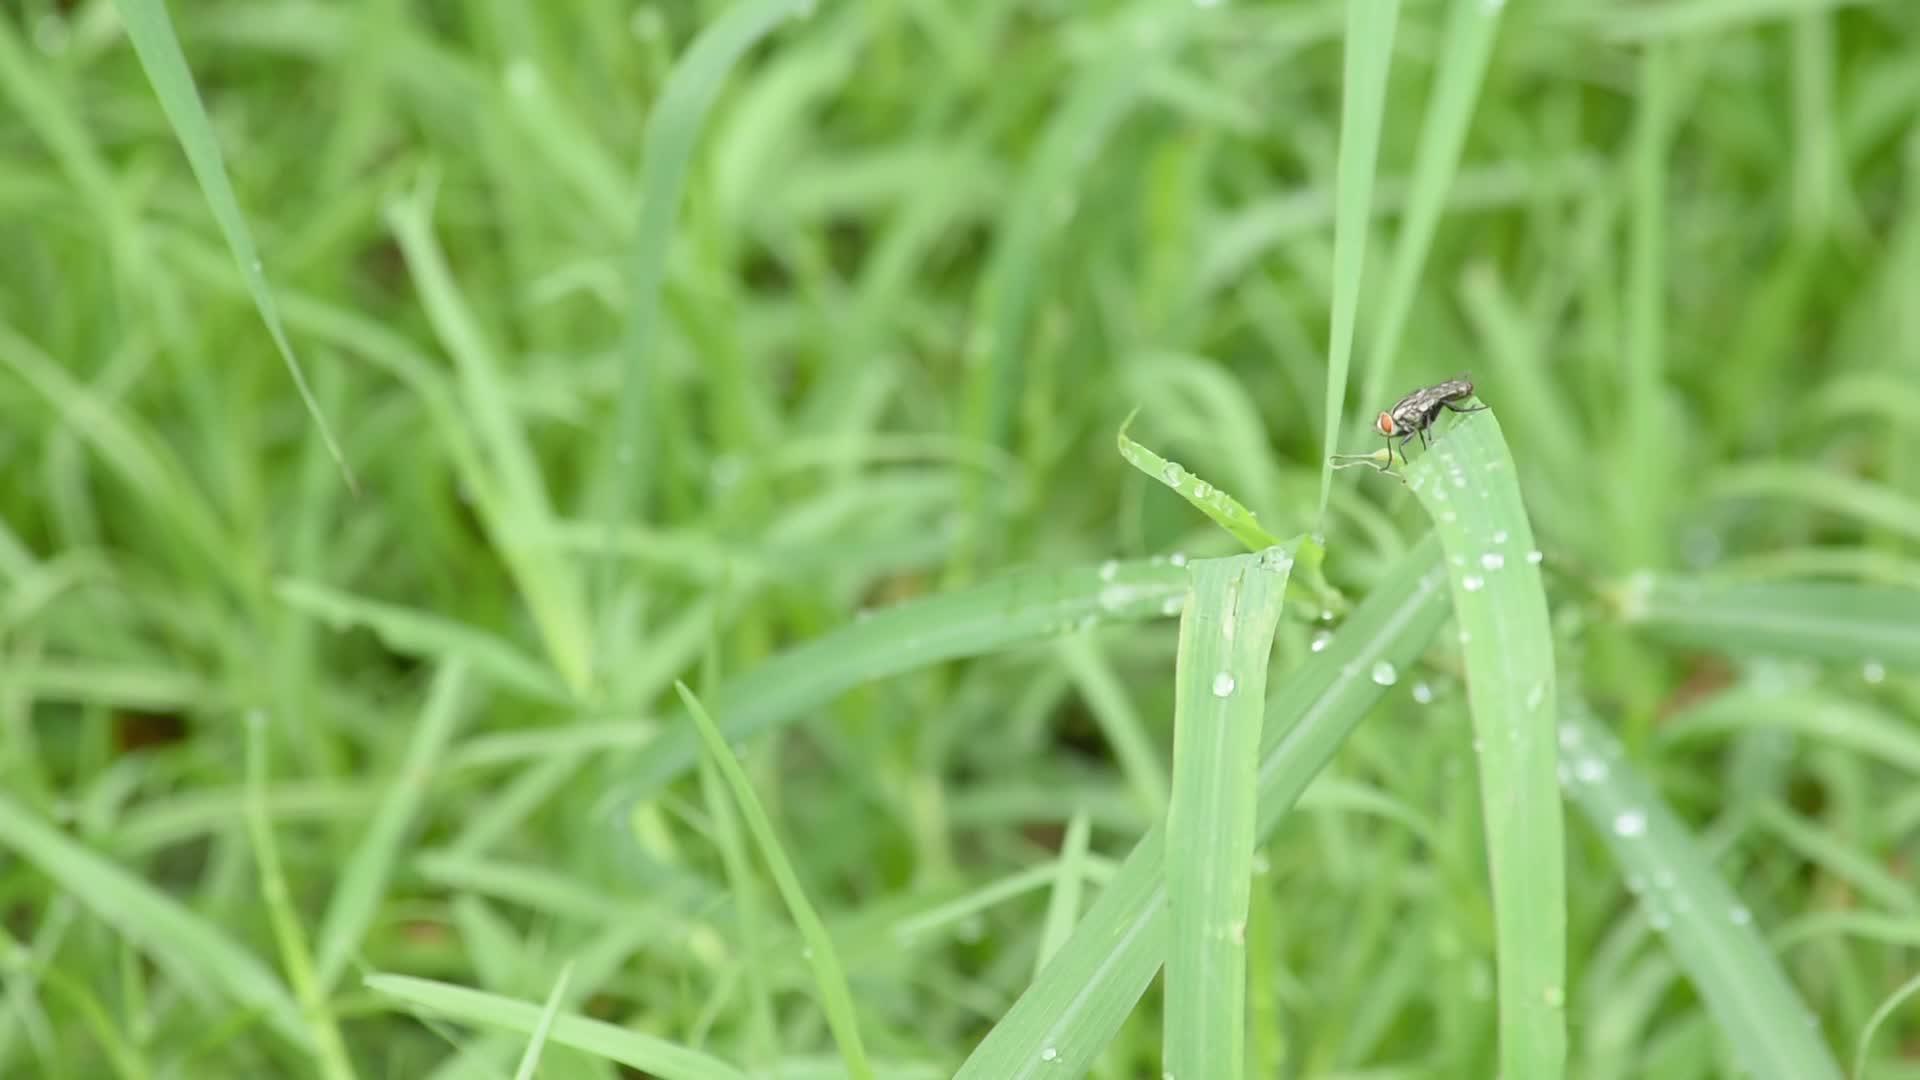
657, 347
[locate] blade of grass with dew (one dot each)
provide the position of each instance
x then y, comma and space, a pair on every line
1223, 509
410, 632
1468, 486
522, 518
537, 1042
1220, 677
1864, 624
187, 946
1227, 512
330, 1053
150, 31
1013, 610
1466, 45
667, 1060
1363, 103
1707, 930
673, 129
830, 978
362, 883
1062, 1022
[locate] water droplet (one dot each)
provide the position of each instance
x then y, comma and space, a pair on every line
1874, 672
1237, 932
1629, 823
1493, 560
1449, 517
1535, 557
1422, 693
1173, 474
1326, 614
1117, 598
1472, 582
1222, 685
1261, 864
1384, 675
1740, 916
806, 953
1536, 694
1049, 1054
1177, 559
1320, 641
1554, 997
1500, 536
1172, 605
1465, 636
1202, 490
1109, 570
1590, 770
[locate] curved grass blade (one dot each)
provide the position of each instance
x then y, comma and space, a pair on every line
1014, 610
1467, 484
672, 130
415, 633
151, 32
1709, 932
1227, 512
1828, 620
1071, 1011
329, 1051
1894, 1000
1824, 489
829, 975
1827, 718
1223, 509
190, 948
1226, 639
667, 1060
363, 881
1369, 53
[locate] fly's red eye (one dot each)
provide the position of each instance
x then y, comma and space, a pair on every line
1384, 424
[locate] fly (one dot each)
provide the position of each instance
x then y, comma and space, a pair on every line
1414, 414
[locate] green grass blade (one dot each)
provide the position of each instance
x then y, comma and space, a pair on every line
1466, 46
1894, 1001
362, 883
1017, 609
520, 520
1468, 485
1706, 928
830, 977
414, 633
1072, 1010
330, 1053
190, 948
1822, 489
1226, 638
537, 1042
1363, 104
1069, 881
1819, 717
673, 129
1862, 624
150, 30
667, 1060
1223, 509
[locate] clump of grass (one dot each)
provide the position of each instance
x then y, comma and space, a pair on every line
794, 336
